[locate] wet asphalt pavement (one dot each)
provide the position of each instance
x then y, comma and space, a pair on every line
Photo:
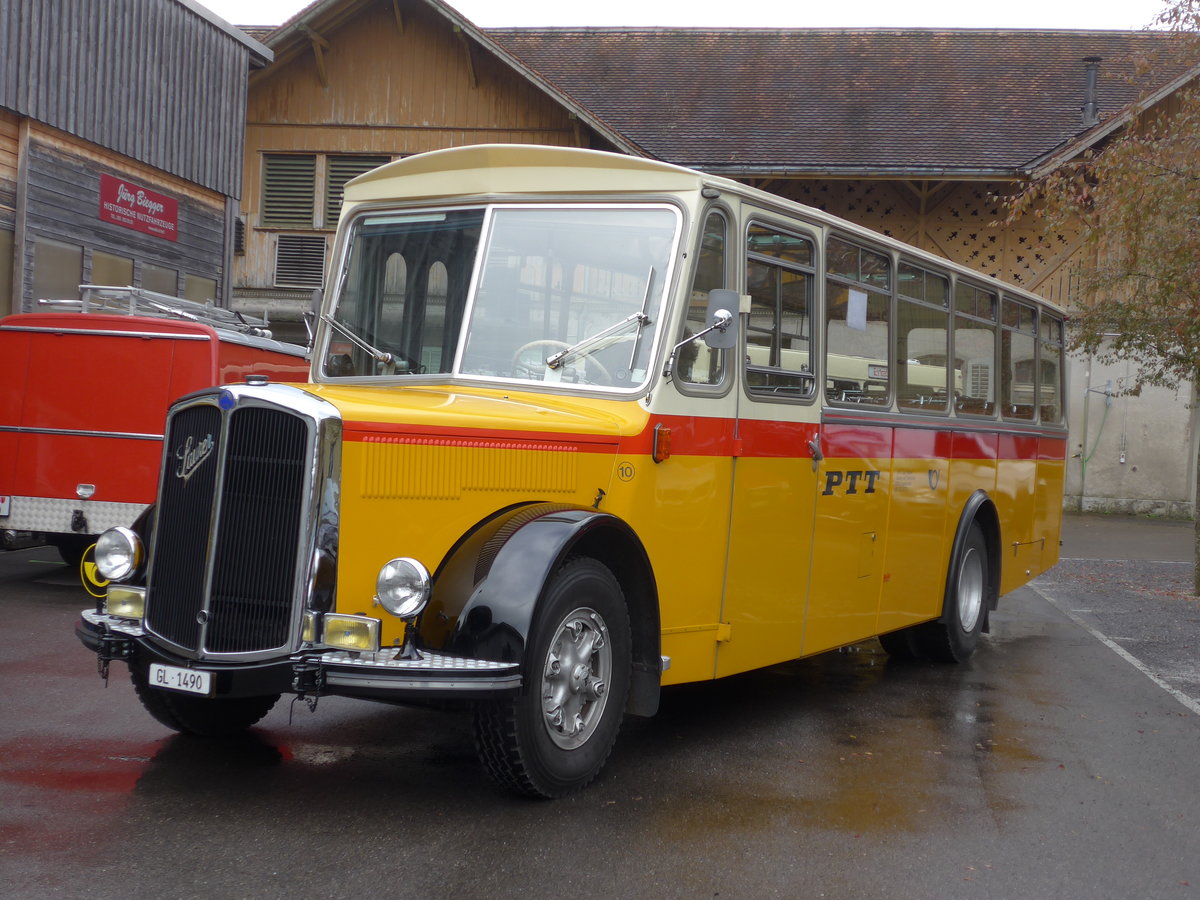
1062, 761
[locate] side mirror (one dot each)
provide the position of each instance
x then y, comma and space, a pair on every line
721, 333
721, 316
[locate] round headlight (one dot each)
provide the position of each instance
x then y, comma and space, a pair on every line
402, 587
118, 553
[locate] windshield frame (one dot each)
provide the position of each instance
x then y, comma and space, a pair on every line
659, 307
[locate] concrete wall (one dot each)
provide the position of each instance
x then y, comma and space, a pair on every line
1129, 454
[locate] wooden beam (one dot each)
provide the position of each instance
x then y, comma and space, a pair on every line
466, 44
319, 46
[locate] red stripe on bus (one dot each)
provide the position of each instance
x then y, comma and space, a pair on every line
753, 438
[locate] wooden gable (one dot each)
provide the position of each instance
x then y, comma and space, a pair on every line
368, 80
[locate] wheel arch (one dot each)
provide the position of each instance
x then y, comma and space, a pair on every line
979, 510
487, 590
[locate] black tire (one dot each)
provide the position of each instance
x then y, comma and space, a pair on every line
904, 644
953, 639
554, 737
200, 716
71, 548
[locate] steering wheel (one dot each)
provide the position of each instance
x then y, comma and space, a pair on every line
536, 372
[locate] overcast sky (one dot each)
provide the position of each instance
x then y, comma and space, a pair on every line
1119, 14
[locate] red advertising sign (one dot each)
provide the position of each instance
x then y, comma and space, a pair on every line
133, 206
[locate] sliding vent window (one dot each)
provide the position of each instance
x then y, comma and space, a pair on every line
779, 278
922, 340
858, 287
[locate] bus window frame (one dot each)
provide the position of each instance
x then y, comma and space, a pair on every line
1006, 301
994, 414
1057, 343
891, 255
687, 279
947, 309
815, 236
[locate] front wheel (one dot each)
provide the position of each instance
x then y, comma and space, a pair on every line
200, 716
953, 639
553, 737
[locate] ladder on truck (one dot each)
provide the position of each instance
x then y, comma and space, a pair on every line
131, 301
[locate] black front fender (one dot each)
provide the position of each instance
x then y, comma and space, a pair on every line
486, 592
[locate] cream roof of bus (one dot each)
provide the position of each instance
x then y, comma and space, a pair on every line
528, 169
489, 169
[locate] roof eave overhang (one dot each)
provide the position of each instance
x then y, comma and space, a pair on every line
1064, 153
906, 173
296, 31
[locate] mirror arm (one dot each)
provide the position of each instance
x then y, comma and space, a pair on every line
723, 319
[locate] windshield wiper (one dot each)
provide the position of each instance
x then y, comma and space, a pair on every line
559, 359
380, 356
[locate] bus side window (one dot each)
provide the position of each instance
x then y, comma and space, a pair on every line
858, 300
974, 350
1018, 360
1050, 386
779, 279
922, 340
697, 362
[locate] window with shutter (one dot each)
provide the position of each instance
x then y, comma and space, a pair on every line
339, 170
299, 260
289, 190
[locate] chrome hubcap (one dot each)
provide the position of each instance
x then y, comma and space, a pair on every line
575, 678
970, 590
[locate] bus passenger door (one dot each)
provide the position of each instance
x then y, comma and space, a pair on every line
770, 529
771, 514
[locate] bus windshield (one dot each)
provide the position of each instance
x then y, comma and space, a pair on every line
550, 293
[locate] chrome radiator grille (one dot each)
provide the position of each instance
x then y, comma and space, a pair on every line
242, 506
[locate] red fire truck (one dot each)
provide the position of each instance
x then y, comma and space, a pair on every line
82, 409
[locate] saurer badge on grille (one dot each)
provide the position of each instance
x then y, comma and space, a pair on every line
192, 455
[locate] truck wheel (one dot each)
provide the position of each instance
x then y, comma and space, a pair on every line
555, 735
954, 639
71, 547
200, 716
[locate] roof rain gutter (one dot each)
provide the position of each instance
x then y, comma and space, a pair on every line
958, 173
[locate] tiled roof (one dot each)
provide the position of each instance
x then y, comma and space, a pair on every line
884, 101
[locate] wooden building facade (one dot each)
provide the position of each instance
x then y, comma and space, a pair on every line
355, 84
121, 152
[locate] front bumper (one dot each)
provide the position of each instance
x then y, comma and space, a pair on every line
382, 675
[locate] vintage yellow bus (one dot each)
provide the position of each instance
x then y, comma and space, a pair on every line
581, 426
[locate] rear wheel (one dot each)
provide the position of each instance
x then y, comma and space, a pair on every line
555, 735
200, 716
954, 638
